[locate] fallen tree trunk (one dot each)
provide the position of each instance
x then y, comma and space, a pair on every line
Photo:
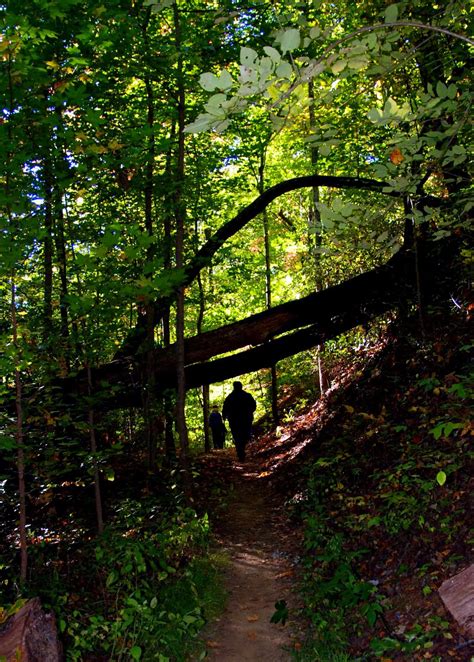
313, 320
204, 255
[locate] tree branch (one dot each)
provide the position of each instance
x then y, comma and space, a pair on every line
204, 255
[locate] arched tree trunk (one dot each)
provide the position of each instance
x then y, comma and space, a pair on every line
203, 256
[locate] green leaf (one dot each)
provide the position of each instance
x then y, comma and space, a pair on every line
214, 105
202, 123
452, 91
272, 53
441, 478
441, 90
7, 442
225, 80
290, 40
109, 474
372, 40
390, 107
111, 578
374, 115
281, 612
391, 14
136, 652
338, 66
358, 62
450, 427
208, 81
247, 56
284, 70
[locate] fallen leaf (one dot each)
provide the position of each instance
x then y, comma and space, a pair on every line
253, 618
212, 644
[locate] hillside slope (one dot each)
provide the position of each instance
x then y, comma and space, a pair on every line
378, 474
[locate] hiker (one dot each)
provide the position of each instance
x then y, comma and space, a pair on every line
238, 409
217, 428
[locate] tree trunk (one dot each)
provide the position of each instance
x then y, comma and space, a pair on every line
169, 395
61, 254
206, 410
93, 446
316, 234
14, 322
19, 441
48, 250
150, 404
62, 264
30, 635
180, 224
268, 286
205, 388
203, 256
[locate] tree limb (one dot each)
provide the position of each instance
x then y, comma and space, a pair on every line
204, 255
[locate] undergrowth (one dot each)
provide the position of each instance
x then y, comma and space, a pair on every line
384, 506
138, 592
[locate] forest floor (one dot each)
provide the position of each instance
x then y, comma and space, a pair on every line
349, 515
261, 551
386, 453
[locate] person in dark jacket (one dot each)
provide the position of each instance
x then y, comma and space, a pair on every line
217, 428
239, 407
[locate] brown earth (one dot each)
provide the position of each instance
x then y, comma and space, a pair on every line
260, 547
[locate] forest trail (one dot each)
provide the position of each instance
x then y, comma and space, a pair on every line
259, 572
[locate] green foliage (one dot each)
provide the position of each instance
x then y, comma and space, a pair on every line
281, 612
137, 593
386, 479
332, 589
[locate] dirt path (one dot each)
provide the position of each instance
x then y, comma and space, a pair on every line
260, 573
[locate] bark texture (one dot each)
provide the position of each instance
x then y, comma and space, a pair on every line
30, 635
